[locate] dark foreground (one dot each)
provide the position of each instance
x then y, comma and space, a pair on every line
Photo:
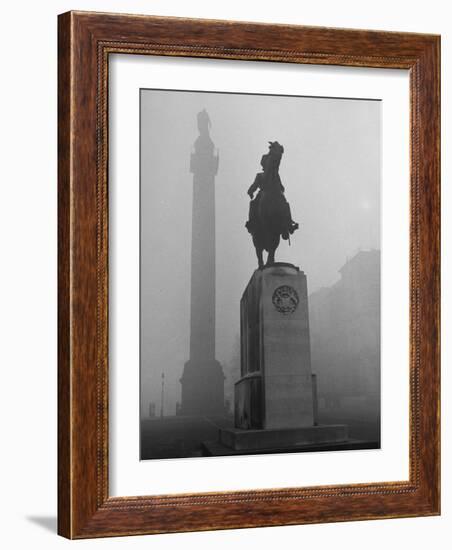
190, 436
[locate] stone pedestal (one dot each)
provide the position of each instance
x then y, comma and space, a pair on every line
275, 398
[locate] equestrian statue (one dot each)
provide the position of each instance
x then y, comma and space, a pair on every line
269, 213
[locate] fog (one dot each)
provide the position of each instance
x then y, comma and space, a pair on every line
331, 173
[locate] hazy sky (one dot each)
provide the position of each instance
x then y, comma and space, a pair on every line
331, 172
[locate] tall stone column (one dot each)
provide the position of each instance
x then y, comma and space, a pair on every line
203, 379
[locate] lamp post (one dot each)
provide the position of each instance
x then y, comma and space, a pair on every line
161, 401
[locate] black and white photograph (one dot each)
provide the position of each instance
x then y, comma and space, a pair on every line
259, 273
224, 236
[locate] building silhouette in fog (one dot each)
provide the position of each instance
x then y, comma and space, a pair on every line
203, 379
345, 340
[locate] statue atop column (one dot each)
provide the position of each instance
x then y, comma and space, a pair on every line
269, 214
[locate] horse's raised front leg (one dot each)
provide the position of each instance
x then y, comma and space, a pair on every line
271, 257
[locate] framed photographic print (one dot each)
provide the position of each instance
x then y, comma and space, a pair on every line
248, 275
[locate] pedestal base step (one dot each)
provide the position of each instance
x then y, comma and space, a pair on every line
253, 440
215, 448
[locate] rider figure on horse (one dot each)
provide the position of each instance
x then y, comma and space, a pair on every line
269, 181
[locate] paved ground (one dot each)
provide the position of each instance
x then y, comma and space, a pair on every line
361, 429
190, 436
179, 436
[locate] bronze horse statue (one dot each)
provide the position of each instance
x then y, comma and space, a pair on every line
269, 214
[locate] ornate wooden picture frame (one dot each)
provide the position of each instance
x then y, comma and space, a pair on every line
85, 43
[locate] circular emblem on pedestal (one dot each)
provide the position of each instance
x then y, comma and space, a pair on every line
285, 299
